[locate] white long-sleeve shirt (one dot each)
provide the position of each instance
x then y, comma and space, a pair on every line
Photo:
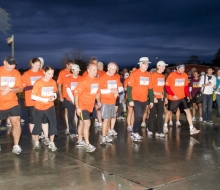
207, 89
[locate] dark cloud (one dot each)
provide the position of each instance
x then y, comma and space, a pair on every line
121, 31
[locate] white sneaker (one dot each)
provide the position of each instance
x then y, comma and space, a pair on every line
165, 129
170, 123
178, 124
41, 136
200, 119
194, 131
143, 124
162, 135
135, 137
80, 143
67, 132
150, 133
103, 141
157, 134
96, 124
46, 141
193, 119
52, 146
36, 145
16, 149
114, 132
139, 136
22, 120
108, 139
130, 128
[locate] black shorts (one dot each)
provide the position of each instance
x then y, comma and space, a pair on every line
12, 112
64, 103
85, 115
173, 105
194, 100
30, 110
117, 101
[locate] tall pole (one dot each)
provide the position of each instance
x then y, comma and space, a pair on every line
12, 46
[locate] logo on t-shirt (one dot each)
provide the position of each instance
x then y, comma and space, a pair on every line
33, 79
160, 82
179, 82
94, 88
68, 75
73, 85
112, 84
195, 85
144, 81
47, 91
8, 81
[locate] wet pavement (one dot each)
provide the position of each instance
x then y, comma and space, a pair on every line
175, 162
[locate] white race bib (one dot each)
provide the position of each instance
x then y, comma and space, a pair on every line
47, 91
160, 82
33, 79
144, 81
73, 85
179, 82
8, 81
94, 88
112, 84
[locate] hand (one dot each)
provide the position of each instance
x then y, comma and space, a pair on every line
165, 101
155, 100
188, 99
114, 90
61, 99
131, 104
151, 105
51, 99
175, 97
78, 111
99, 105
6, 90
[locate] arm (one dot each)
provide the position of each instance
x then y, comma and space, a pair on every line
7, 89
70, 94
37, 98
60, 92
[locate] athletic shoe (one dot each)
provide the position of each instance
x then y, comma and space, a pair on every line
165, 129
193, 119
112, 133
73, 135
204, 122
139, 136
16, 149
171, 123
41, 136
200, 119
135, 137
36, 145
67, 132
90, 148
178, 124
96, 124
46, 141
120, 117
210, 122
103, 141
162, 135
150, 133
52, 146
130, 128
108, 139
143, 124
22, 120
81, 143
32, 140
194, 131
157, 134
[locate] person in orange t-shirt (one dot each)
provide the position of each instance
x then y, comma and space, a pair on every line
61, 90
70, 85
10, 85
158, 83
44, 93
138, 90
178, 95
110, 87
28, 79
85, 94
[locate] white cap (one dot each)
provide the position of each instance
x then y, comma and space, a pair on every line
161, 63
126, 75
100, 63
76, 67
41, 60
144, 60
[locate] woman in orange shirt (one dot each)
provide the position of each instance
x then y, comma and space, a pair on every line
44, 93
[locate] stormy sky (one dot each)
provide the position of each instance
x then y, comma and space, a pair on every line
112, 30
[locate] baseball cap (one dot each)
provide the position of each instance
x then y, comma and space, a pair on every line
100, 63
144, 60
11, 60
161, 63
126, 75
76, 67
41, 60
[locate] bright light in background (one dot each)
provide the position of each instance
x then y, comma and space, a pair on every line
4, 17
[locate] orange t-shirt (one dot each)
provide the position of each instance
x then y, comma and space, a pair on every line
140, 83
44, 89
108, 82
71, 83
99, 73
177, 83
86, 90
62, 75
13, 80
158, 82
28, 79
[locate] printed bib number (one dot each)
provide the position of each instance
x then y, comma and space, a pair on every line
33, 79
179, 82
47, 91
112, 84
160, 82
73, 85
94, 88
144, 81
195, 85
8, 81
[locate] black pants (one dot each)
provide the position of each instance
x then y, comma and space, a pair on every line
71, 108
158, 109
51, 116
139, 109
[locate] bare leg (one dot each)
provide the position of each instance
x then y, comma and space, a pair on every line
194, 109
16, 128
80, 130
45, 129
105, 126
87, 124
66, 118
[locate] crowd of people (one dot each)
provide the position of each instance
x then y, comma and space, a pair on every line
101, 95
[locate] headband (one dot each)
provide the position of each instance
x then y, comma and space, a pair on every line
180, 66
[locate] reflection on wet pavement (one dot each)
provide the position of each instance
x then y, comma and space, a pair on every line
178, 161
